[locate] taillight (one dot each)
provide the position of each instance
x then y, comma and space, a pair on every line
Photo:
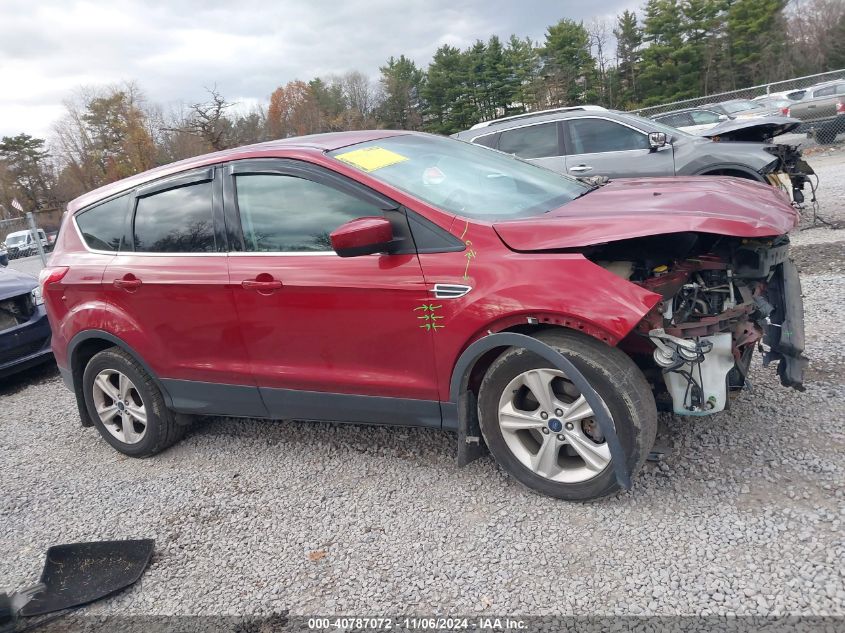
785, 111
51, 275
840, 107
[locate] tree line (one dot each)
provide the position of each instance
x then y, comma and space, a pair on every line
670, 50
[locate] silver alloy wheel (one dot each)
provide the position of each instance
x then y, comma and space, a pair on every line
549, 427
120, 406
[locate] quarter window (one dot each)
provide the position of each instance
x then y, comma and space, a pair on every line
102, 227
534, 141
289, 214
176, 221
593, 136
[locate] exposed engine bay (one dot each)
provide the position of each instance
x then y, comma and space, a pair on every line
793, 167
722, 298
15, 311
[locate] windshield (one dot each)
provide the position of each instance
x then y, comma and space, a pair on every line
14, 240
650, 125
462, 178
740, 106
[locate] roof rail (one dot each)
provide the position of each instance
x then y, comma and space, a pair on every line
537, 113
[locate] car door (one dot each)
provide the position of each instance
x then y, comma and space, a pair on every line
538, 143
600, 147
329, 338
169, 291
823, 104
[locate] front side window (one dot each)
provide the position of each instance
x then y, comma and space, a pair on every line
679, 119
594, 136
534, 141
462, 178
102, 227
289, 214
176, 220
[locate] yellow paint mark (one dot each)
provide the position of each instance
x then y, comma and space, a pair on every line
371, 158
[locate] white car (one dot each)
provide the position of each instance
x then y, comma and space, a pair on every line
691, 120
21, 244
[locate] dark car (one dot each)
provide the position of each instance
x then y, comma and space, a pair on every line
590, 141
24, 328
822, 111
407, 279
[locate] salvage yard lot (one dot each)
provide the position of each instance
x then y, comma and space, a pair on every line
745, 514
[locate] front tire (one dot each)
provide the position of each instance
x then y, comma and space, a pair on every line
541, 430
126, 405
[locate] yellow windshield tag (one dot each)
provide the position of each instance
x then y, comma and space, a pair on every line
371, 158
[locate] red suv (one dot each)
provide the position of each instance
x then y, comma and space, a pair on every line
406, 279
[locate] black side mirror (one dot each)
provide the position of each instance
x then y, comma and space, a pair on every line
657, 140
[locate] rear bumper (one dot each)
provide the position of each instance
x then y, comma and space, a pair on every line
25, 345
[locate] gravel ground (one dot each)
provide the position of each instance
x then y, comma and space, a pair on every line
744, 515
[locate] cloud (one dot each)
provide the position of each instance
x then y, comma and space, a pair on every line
246, 47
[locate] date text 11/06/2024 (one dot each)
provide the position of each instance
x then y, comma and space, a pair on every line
417, 624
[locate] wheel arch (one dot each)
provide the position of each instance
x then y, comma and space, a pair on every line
462, 408
83, 346
731, 169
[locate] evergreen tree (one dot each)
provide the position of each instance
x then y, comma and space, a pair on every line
401, 81
569, 66
757, 39
629, 38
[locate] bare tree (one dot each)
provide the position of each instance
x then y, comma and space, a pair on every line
599, 32
811, 26
209, 122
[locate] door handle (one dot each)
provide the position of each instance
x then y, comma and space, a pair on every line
580, 168
262, 283
129, 283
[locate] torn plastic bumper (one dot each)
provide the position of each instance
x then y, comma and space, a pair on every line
784, 329
462, 402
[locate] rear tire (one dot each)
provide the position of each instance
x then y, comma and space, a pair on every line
560, 452
126, 405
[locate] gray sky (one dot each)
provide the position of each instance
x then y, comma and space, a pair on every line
247, 47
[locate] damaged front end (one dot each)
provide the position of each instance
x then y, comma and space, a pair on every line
790, 172
722, 298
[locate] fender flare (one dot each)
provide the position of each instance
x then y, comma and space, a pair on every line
733, 166
87, 335
458, 401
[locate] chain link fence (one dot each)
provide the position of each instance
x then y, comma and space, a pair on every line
818, 101
14, 225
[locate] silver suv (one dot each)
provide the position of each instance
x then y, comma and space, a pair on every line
593, 141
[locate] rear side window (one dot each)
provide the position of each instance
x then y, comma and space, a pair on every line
487, 141
593, 136
704, 117
534, 141
176, 221
824, 92
102, 227
289, 214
